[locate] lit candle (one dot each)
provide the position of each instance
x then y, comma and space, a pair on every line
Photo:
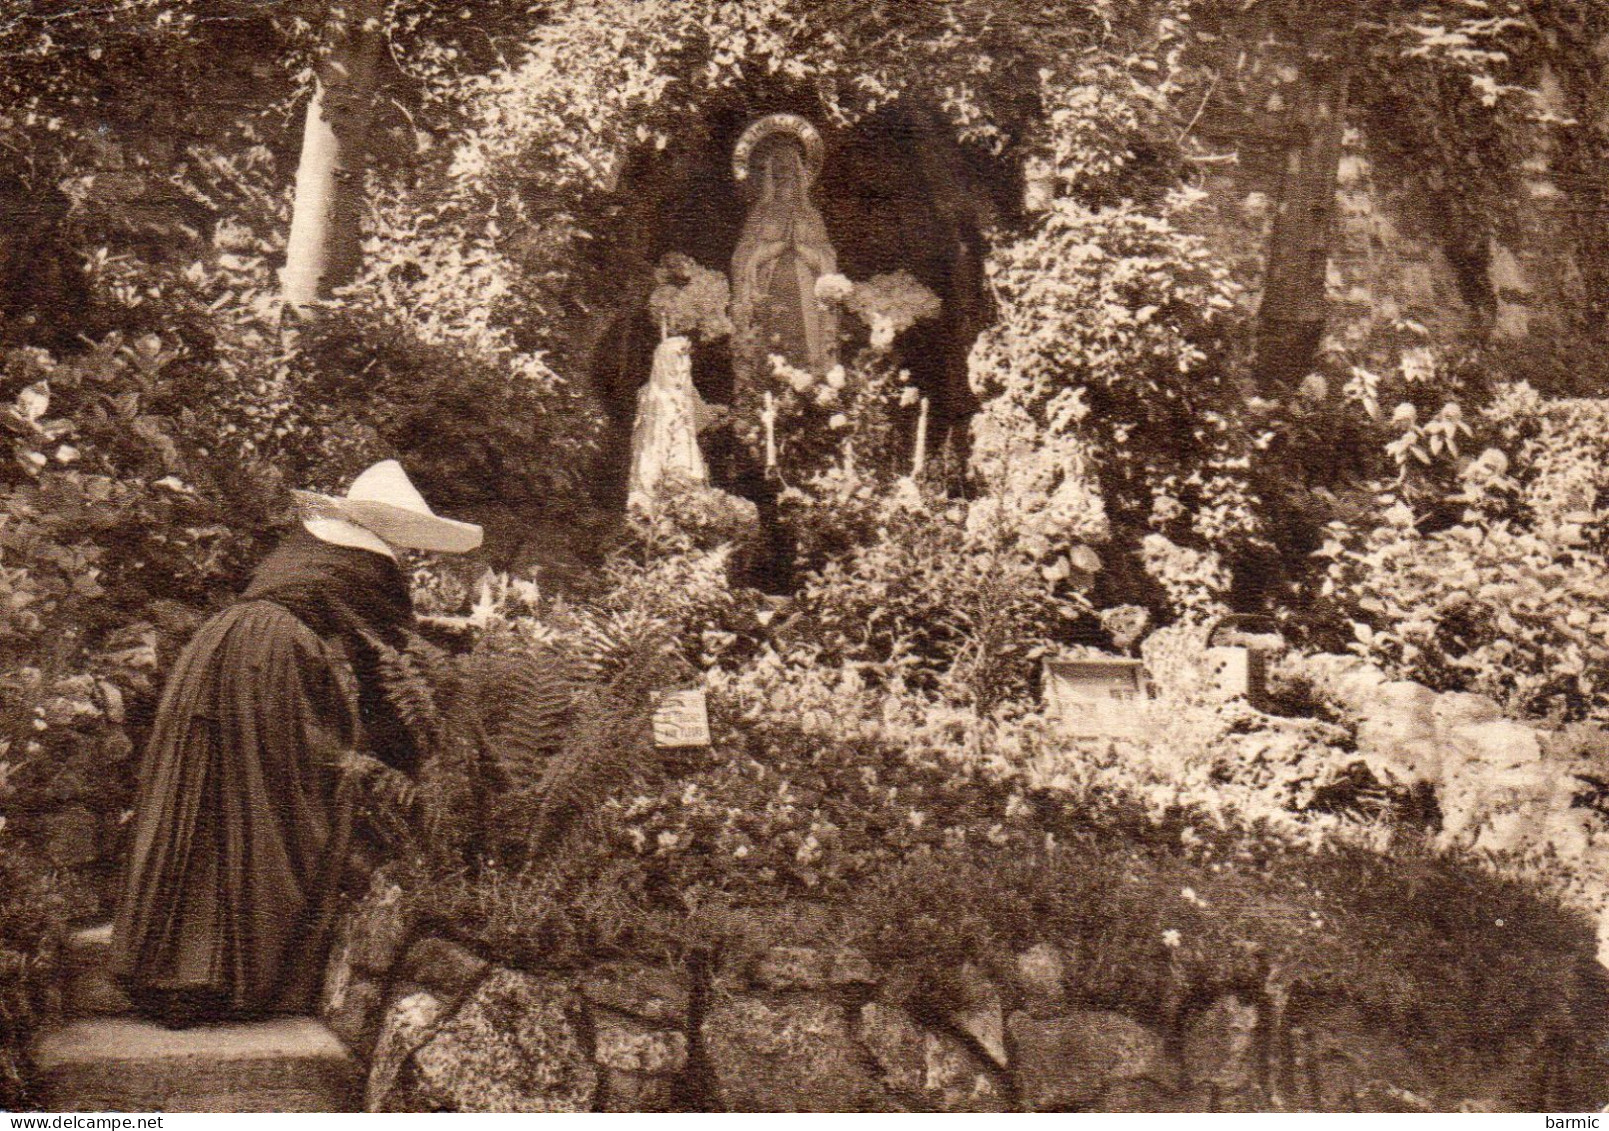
768, 416
919, 457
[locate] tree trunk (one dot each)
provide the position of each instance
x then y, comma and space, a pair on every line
324, 249
1290, 322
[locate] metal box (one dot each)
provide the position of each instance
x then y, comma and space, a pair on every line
1095, 696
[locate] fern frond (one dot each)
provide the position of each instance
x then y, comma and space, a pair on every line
610, 744
384, 797
405, 677
525, 703
610, 642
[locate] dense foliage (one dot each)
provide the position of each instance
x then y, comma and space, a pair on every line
1108, 407
30, 933
877, 738
1195, 862
1497, 585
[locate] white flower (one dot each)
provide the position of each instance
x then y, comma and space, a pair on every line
835, 377
839, 420
1171, 939
882, 332
909, 395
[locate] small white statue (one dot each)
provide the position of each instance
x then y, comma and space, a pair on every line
670, 414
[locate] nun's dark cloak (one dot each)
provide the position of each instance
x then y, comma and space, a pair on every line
239, 838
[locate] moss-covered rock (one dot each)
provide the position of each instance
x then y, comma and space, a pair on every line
510, 1047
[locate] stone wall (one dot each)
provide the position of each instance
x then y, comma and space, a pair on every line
1389, 283
818, 1028
1401, 272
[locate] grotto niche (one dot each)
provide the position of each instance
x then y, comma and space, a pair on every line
894, 193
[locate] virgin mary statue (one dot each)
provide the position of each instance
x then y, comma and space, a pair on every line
781, 253
664, 442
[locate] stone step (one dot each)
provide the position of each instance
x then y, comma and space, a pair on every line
88, 988
123, 1064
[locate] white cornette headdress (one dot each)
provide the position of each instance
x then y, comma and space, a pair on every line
383, 502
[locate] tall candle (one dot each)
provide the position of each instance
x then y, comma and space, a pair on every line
919, 457
768, 416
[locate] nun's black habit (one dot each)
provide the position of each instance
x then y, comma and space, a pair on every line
239, 839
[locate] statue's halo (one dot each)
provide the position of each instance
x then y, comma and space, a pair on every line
762, 128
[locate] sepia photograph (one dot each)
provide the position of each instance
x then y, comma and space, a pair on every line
819, 556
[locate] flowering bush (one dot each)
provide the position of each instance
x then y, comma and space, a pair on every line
1106, 403
683, 516
888, 304
846, 414
851, 414
1510, 598
690, 299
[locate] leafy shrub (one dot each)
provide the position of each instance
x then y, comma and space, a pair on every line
111, 531
31, 929
684, 516
474, 419
101, 466
1107, 403
946, 601
1510, 598
32, 918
